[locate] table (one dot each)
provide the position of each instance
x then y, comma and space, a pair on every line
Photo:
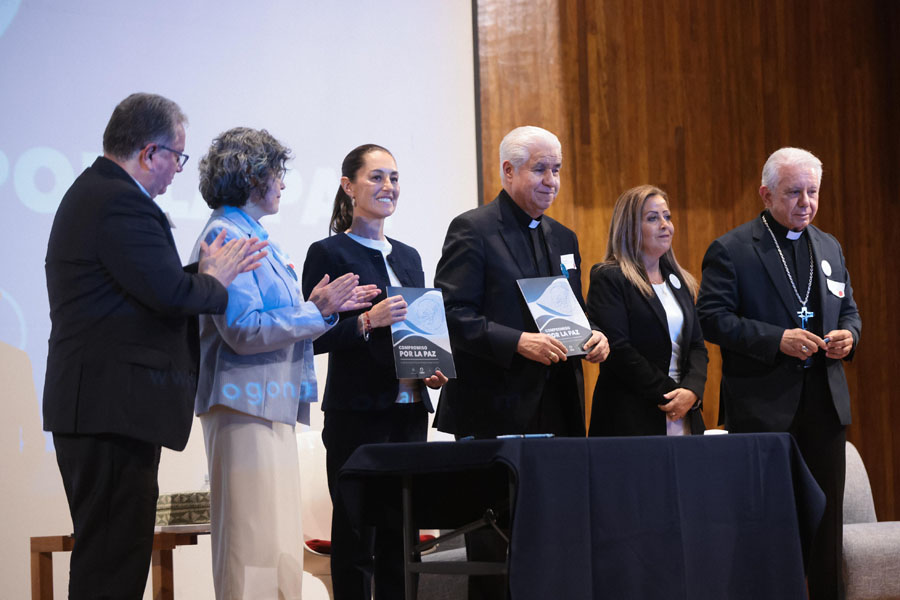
728, 516
165, 539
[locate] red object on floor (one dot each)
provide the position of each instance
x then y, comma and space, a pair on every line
320, 546
324, 546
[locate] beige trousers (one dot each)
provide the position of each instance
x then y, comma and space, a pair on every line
254, 477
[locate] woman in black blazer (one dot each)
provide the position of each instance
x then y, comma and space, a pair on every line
652, 383
364, 402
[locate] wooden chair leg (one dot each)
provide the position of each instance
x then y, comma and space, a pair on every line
43, 547
41, 575
163, 578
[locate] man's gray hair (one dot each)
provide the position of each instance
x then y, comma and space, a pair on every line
771, 173
138, 120
516, 146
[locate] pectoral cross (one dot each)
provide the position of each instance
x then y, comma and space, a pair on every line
805, 316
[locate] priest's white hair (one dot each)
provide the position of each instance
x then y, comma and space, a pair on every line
771, 173
516, 145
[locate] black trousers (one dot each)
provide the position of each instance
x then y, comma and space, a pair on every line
822, 442
359, 556
111, 487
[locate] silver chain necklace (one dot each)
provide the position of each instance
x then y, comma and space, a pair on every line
803, 313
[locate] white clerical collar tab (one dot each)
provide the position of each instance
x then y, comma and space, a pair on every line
534, 223
794, 235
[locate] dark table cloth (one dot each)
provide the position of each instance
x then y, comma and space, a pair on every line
727, 516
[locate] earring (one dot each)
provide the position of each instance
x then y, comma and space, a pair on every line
353, 201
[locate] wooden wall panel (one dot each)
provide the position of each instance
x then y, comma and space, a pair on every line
692, 95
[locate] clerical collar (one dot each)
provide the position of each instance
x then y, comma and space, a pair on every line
780, 230
522, 217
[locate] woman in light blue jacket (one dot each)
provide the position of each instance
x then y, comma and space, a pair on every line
256, 375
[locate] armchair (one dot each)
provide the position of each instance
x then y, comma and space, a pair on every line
871, 547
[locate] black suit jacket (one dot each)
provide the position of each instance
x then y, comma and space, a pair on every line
123, 352
745, 304
633, 379
361, 374
497, 390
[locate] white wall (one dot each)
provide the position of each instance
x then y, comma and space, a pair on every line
323, 77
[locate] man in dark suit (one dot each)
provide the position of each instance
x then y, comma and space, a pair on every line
122, 363
510, 378
776, 298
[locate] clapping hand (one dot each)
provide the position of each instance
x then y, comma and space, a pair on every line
225, 261
329, 298
360, 297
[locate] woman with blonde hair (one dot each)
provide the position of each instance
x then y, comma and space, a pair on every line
652, 383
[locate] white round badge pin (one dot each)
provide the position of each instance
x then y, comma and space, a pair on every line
674, 281
826, 268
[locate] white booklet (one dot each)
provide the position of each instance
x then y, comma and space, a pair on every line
556, 311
